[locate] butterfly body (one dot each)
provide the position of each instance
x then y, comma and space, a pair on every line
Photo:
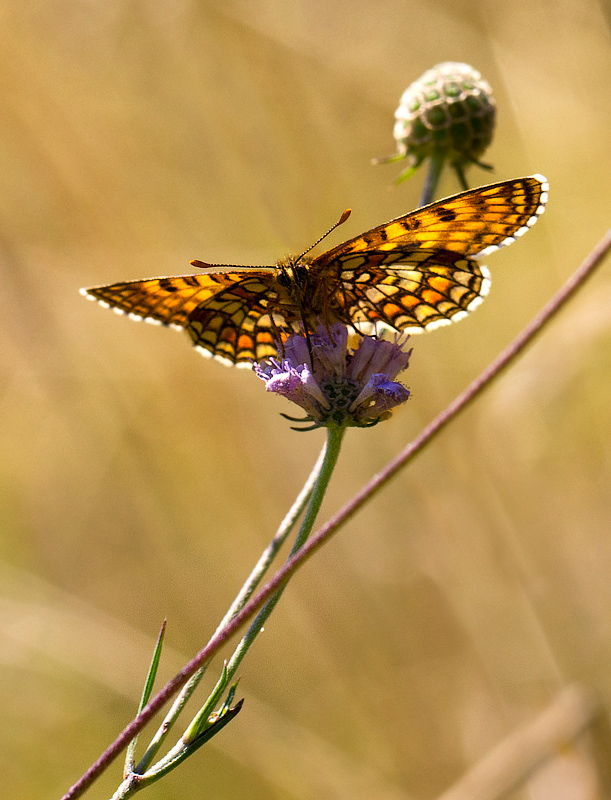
414, 273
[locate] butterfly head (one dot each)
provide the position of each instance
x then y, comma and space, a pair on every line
293, 273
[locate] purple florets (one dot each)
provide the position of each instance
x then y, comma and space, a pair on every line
337, 385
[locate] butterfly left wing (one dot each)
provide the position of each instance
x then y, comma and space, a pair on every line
225, 313
165, 301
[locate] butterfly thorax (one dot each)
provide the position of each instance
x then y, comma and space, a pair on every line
301, 291
292, 275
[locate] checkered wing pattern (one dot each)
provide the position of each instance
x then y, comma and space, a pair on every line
414, 273
418, 272
225, 313
243, 323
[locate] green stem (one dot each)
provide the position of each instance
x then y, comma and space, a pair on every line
286, 526
170, 718
323, 471
432, 179
331, 453
253, 580
315, 490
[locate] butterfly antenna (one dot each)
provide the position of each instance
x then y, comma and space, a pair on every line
205, 265
339, 222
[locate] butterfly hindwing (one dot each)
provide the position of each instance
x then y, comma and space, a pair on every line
238, 325
425, 290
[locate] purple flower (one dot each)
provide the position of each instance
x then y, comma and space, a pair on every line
336, 384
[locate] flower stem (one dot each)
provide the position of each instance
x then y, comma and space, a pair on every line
253, 580
286, 526
432, 179
314, 489
335, 435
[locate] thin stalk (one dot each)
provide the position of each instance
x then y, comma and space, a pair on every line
251, 583
432, 179
331, 453
324, 468
185, 746
286, 526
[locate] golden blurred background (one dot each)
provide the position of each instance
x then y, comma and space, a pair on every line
140, 481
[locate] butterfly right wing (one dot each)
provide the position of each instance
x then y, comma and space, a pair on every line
418, 271
473, 223
243, 323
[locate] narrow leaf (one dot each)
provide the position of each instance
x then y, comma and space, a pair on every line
146, 693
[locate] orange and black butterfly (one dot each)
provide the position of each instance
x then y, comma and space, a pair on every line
414, 273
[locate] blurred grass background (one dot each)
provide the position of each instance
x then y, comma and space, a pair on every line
139, 481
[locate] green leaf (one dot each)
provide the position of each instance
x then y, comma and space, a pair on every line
146, 693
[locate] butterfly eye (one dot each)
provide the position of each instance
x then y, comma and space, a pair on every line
283, 279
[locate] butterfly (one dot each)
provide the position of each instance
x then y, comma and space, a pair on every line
414, 273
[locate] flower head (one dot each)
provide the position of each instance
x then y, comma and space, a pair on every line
449, 112
336, 384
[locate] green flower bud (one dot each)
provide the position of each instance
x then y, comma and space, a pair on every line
447, 114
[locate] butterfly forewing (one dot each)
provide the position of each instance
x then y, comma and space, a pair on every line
468, 223
170, 301
414, 273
